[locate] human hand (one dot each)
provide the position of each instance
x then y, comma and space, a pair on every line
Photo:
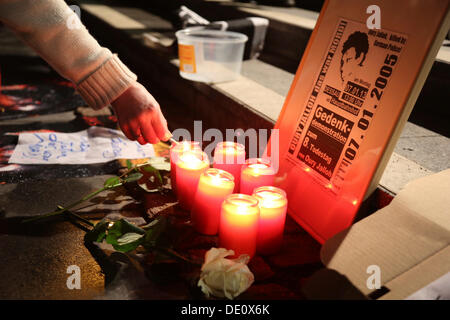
140, 116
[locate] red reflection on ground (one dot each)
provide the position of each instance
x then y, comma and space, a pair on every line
64, 83
112, 118
92, 121
17, 103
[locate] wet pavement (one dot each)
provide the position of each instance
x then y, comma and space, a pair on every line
36, 256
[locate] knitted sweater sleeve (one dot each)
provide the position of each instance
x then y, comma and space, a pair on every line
48, 26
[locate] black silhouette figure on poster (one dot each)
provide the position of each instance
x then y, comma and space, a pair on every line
354, 52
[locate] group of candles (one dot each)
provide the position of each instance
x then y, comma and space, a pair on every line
235, 199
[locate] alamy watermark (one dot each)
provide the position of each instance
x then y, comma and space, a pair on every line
374, 20
74, 20
374, 280
74, 280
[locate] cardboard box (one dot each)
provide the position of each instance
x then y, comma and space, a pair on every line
408, 240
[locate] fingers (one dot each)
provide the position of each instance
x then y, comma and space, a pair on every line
138, 134
135, 131
126, 130
141, 140
140, 131
140, 116
145, 130
160, 126
148, 132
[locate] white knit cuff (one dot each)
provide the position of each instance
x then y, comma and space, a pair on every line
106, 83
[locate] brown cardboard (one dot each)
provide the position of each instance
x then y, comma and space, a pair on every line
409, 240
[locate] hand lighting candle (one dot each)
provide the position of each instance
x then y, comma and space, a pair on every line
189, 166
230, 156
175, 151
256, 172
273, 207
214, 186
238, 226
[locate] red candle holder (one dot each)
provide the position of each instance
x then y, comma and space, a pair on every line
176, 150
230, 156
272, 217
238, 227
189, 166
256, 172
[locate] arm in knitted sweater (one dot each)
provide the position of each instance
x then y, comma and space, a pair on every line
100, 77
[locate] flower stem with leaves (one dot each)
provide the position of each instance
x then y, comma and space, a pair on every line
130, 175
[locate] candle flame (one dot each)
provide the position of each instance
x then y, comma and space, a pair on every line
258, 166
269, 195
242, 203
218, 178
192, 160
229, 150
270, 198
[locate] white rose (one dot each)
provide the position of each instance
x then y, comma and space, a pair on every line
223, 277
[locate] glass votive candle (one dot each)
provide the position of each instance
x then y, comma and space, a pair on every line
214, 186
189, 166
238, 228
230, 156
273, 206
256, 172
176, 150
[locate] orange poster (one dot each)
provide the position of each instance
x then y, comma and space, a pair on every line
353, 92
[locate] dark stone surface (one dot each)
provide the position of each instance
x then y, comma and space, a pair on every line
36, 256
261, 270
34, 263
297, 250
33, 198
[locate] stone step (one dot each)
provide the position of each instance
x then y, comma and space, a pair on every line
287, 37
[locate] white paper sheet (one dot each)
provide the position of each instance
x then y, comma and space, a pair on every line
436, 290
94, 145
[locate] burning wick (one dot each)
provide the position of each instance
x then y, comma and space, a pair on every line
173, 141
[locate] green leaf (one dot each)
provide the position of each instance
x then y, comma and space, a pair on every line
129, 227
154, 171
98, 233
128, 242
150, 224
120, 228
114, 232
159, 163
133, 177
129, 164
112, 182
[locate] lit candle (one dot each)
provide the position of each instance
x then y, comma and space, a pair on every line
214, 186
189, 166
230, 156
273, 207
175, 151
238, 228
256, 172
